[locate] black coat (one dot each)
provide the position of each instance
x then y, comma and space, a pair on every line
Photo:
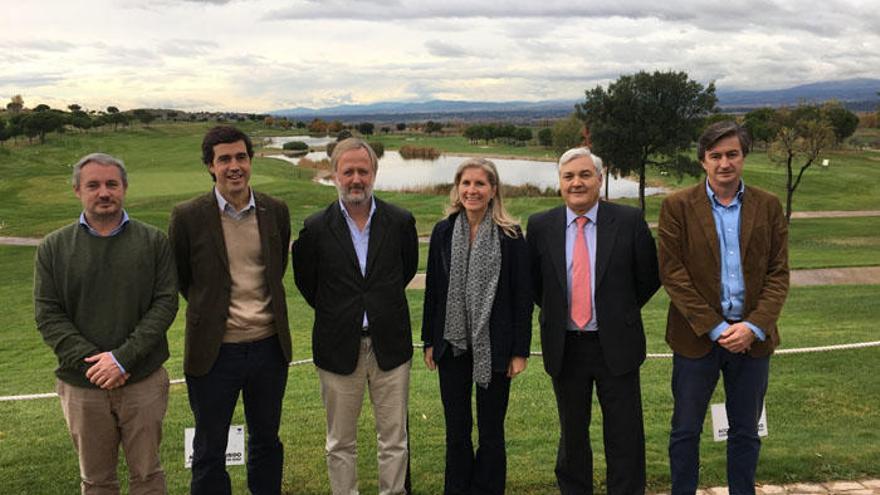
626, 278
327, 273
510, 324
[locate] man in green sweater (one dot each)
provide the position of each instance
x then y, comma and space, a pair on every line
105, 293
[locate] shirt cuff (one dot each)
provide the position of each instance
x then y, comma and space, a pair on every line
717, 331
122, 370
757, 331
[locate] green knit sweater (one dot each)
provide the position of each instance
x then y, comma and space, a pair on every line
95, 294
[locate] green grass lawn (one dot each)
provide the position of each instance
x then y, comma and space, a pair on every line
822, 418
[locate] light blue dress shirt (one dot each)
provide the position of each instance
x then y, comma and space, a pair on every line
590, 236
360, 239
733, 290
116, 231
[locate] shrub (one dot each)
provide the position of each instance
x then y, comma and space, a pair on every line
296, 146
408, 152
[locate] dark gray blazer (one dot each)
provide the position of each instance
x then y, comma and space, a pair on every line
196, 236
327, 273
626, 278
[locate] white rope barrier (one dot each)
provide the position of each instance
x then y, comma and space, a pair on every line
664, 355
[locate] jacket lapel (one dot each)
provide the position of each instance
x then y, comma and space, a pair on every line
747, 213
211, 215
700, 205
556, 245
264, 220
339, 227
378, 228
606, 233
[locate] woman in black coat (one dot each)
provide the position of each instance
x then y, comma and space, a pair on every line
477, 323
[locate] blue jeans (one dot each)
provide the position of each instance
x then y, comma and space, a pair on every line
258, 371
693, 381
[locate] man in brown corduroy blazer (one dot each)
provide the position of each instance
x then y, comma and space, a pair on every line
724, 263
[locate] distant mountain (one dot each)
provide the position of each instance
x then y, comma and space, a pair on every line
855, 94
432, 107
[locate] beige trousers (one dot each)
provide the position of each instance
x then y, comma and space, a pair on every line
99, 420
343, 396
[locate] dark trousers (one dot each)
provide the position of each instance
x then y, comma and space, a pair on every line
467, 473
693, 381
622, 427
259, 371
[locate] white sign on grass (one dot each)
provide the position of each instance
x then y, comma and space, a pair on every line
720, 425
234, 447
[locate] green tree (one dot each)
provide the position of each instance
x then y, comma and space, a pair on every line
803, 133
42, 107
144, 115
432, 127
366, 128
401, 126
80, 120
647, 119
545, 137
762, 125
15, 105
112, 109
522, 134
42, 123
74, 107
843, 122
567, 134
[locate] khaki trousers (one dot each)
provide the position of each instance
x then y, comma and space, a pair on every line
99, 420
343, 396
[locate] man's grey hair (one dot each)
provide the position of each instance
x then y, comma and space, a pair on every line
350, 144
575, 153
103, 159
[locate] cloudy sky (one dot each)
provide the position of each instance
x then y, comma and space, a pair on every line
261, 55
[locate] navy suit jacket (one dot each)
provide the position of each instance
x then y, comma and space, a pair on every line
626, 278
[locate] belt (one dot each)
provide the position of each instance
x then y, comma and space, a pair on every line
731, 322
365, 331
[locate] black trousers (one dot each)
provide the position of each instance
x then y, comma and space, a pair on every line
467, 472
258, 371
623, 429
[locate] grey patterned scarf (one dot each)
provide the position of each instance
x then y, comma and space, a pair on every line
473, 280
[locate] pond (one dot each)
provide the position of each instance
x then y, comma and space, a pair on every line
396, 173
278, 142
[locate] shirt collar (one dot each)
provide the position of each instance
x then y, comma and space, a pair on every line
372, 208
222, 203
570, 216
736, 199
122, 223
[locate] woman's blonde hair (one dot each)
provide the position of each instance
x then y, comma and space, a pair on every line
499, 215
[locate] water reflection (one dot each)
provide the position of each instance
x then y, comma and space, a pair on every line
278, 142
395, 173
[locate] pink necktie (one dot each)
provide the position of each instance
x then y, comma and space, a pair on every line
581, 297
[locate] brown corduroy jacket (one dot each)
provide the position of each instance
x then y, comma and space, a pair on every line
690, 267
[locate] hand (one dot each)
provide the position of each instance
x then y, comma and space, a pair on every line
737, 338
104, 372
429, 358
517, 365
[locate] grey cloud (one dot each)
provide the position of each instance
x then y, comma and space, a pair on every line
30, 81
186, 47
443, 49
39, 45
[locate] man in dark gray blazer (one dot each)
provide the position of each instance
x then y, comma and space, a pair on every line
594, 265
231, 247
352, 262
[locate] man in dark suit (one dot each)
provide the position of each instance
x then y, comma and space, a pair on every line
352, 262
231, 247
724, 263
594, 265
